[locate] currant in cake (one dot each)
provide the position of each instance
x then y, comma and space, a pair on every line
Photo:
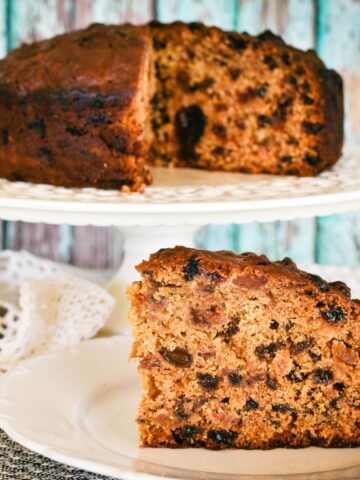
96, 106
236, 351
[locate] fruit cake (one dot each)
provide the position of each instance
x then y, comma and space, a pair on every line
236, 351
94, 107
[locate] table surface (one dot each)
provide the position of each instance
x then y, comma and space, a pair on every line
18, 463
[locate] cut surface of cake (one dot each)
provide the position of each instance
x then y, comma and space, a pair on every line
94, 107
234, 102
236, 351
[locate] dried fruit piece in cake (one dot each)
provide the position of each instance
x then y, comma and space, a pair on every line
236, 351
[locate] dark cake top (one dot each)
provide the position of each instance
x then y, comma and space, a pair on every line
179, 264
110, 57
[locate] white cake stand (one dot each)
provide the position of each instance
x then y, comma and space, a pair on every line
186, 198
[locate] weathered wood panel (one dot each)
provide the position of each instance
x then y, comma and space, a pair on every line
280, 239
338, 43
338, 240
222, 237
293, 19
96, 247
34, 20
3, 31
41, 239
211, 12
111, 11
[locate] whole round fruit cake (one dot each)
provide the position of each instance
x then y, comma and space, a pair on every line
93, 108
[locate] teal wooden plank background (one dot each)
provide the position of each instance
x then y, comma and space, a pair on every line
338, 43
330, 26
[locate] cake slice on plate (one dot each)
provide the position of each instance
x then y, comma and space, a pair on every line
236, 351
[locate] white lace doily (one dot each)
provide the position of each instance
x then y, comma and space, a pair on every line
46, 306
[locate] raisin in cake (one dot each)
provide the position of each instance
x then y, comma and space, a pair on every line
236, 351
94, 107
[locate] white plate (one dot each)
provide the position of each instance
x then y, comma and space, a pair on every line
78, 407
186, 196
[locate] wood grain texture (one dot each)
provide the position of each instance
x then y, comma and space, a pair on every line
338, 240
90, 244
218, 237
40, 239
338, 43
280, 239
34, 20
211, 12
3, 30
293, 19
111, 11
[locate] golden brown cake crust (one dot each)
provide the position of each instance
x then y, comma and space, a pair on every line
236, 351
170, 263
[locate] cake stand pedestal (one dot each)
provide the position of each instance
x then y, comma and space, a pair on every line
180, 200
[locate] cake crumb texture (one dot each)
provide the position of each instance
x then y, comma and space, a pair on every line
231, 101
236, 351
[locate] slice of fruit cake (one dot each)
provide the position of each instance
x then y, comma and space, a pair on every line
236, 351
